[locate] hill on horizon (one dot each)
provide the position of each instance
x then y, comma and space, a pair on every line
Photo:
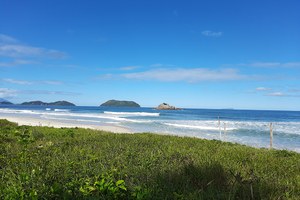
40, 103
3, 100
116, 103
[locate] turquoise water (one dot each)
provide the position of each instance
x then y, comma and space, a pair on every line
249, 127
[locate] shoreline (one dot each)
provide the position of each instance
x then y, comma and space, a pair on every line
30, 121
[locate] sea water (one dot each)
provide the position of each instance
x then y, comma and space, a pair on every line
249, 127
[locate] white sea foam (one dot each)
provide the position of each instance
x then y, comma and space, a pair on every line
13, 111
147, 122
61, 110
196, 127
132, 113
99, 116
48, 108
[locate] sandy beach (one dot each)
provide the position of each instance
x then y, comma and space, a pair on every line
57, 124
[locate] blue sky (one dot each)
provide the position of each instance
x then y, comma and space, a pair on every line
190, 54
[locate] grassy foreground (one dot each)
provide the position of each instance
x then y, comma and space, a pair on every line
73, 163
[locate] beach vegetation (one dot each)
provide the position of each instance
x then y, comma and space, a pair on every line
75, 163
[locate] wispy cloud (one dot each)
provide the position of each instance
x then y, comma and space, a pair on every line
5, 92
55, 82
279, 94
250, 91
263, 89
26, 62
271, 64
265, 64
49, 92
294, 64
13, 48
130, 68
71, 66
186, 75
294, 90
5, 64
70, 31
156, 65
7, 39
210, 33
22, 82
28, 51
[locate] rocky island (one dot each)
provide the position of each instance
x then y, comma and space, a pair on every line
116, 103
166, 106
40, 103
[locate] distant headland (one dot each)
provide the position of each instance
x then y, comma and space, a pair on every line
40, 103
116, 103
4, 101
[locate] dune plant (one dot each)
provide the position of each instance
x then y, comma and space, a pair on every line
73, 163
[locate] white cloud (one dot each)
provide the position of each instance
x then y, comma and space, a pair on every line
28, 51
5, 64
22, 82
71, 66
26, 62
7, 39
156, 65
209, 33
273, 64
250, 91
295, 64
55, 82
294, 90
263, 64
276, 94
263, 89
70, 31
5, 92
48, 92
187, 75
130, 68
9, 48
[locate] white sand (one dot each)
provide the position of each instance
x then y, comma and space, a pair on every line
57, 124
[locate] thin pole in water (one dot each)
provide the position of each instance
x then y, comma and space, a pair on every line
220, 128
271, 135
224, 131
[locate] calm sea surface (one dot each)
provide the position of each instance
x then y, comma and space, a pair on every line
250, 127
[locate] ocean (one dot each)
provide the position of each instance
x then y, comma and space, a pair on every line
249, 127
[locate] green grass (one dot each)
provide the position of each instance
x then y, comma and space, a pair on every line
74, 163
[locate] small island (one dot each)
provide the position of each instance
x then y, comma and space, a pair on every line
40, 103
166, 106
116, 103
